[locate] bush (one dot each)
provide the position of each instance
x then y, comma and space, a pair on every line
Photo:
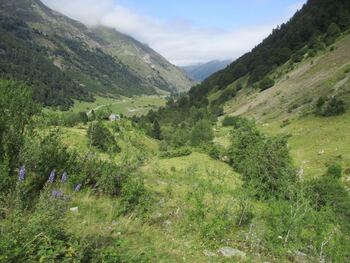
328, 191
335, 171
333, 33
266, 83
100, 137
264, 162
185, 151
202, 132
215, 151
330, 107
229, 121
134, 196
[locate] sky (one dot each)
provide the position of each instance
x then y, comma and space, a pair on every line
186, 31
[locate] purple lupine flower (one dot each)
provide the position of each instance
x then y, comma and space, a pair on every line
77, 188
64, 178
22, 174
57, 194
52, 176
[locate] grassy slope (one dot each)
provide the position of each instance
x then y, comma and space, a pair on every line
165, 237
141, 104
296, 89
315, 141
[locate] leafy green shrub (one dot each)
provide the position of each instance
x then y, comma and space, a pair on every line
134, 196
202, 132
229, 121
333, 32
16, 111
266, 83
215, 151
179, 138
100, 137
156, 131
41, 154
226, 95
335, 171
297, 57
264, 162
330, 107
184, 151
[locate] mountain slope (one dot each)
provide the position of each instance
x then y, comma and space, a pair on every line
89, 60
149, 65
317, 25
297, 90
200, 72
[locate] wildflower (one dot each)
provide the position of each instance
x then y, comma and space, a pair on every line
64, 178
52, 177
77, 188
22, 173
57, 194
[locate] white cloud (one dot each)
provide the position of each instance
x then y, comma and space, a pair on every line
179, 41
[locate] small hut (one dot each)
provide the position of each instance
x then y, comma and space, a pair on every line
114, 117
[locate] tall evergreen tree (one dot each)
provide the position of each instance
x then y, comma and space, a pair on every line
157, 134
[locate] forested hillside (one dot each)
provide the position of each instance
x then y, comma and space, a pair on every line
311, 29
64, 60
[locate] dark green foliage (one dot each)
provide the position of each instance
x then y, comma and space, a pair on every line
184, 151
134, 196
266, 83
333, 32
330, 107
103, 113
215, 151
298, 57
41, 154
180, 124
202, 132
100, 137
16, 112
264, 162
216, 109
236, 122
228, 94
156, 132
229, 121
335, 171
328, 191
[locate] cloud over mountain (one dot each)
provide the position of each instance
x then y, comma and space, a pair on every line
179, 41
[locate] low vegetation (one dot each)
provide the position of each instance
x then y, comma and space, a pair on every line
246, 195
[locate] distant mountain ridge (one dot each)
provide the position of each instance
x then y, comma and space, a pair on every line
64, 60
201, 71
